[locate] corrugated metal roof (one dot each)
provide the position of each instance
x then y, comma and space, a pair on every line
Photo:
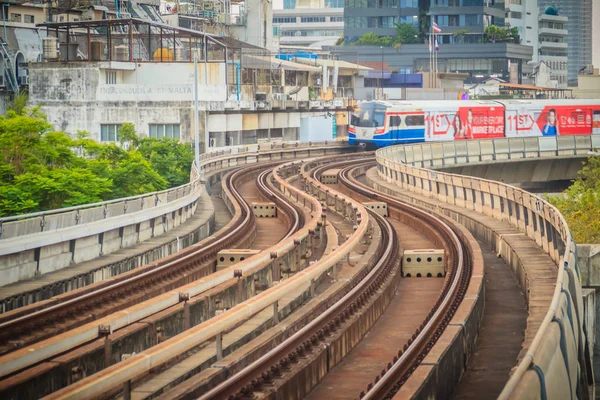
268, 62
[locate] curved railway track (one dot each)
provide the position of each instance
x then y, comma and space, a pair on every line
145, 283
410, 356
264, 371
19, 329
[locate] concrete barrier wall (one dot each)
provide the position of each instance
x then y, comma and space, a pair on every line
555, 366
38, 243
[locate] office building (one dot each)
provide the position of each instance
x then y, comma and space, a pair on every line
579, 39
378, 17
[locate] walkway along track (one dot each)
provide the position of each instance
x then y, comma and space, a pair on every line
141, 284
116, 375
274, 371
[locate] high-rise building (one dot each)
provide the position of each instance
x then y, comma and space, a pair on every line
596, 34
463, 44
579, 26
470, 17
553, 46
312, 23
378, 17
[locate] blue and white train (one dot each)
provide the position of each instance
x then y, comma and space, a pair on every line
383, 123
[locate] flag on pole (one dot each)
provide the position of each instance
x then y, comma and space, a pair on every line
430, 49
437, 44
436, 28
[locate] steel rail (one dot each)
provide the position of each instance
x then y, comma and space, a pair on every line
117, 374
421, 343
233, 231
302, 340
296, 216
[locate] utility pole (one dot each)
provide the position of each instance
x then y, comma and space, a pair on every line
196, 127
381, 79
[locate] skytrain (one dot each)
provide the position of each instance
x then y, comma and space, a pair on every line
384, 123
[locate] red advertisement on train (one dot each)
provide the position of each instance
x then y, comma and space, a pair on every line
553, 120
567, 120
478, 123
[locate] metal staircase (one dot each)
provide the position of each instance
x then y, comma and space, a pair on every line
9, 69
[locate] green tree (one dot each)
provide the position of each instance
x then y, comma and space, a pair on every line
134, 175
19, 102
171, 159
128, 135
406, 33
369, 39
580, 203
461, 34
340, 41
494, 34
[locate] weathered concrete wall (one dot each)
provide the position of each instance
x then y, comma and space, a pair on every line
523, 171
588, 259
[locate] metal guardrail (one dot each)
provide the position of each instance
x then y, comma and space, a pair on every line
555, 364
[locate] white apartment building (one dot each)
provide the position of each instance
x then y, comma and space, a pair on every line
313, 26
553, 47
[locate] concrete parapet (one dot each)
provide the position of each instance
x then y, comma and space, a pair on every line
34, 244
555, 364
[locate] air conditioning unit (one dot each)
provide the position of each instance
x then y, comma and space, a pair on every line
279, 96
261, 104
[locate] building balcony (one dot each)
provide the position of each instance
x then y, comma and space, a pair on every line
553, 45
552, 31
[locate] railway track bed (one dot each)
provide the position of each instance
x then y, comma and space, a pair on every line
527, 262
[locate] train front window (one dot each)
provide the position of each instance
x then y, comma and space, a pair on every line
369, 116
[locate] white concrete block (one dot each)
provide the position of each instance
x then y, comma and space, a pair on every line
423, 263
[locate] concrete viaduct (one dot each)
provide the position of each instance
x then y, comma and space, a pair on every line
70, 248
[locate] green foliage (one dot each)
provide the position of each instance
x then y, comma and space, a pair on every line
461, 34
580, 203
406, 33
171, 159
41, 169
340, 41
371, 39
19, 102
127, 134
495, 34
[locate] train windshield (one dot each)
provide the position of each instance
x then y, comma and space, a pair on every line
368, 115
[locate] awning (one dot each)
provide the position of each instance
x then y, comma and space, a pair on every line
516, 86
268, 62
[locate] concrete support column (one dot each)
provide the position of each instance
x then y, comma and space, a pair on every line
107, 351
276, 312
127, 390
219, 345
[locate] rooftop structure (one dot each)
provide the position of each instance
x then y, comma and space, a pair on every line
109, 72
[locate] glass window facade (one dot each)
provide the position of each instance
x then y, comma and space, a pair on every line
284, 20
109, 132
312, 19
381, 3
163, 130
